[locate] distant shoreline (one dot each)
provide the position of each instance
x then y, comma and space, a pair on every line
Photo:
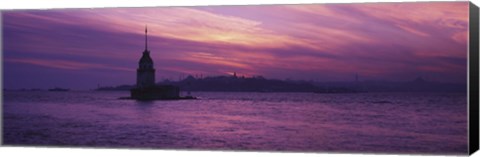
262, 85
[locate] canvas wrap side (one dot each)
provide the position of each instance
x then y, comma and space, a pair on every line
473, 78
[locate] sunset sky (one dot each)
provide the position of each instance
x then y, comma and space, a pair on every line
81, 48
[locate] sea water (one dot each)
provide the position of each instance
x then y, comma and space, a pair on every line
425, 123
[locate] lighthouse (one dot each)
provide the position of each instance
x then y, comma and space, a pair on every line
145, 71
146, 89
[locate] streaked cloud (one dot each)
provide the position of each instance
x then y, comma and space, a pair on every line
65, 64
395, 41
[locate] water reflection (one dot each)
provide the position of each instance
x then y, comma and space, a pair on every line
407, 123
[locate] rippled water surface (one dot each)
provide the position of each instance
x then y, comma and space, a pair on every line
309, 122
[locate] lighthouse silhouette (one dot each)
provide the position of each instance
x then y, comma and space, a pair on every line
146, 89
145, 71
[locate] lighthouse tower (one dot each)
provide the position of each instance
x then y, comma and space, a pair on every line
145, 71
146, 89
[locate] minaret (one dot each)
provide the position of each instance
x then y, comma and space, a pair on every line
145, 71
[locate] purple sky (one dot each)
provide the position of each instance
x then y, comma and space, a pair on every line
80, 48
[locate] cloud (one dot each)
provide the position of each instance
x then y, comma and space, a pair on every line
208, 58
64, 64
310, 41
449, 18
413, 31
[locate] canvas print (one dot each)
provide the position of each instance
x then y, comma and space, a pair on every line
366, 77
